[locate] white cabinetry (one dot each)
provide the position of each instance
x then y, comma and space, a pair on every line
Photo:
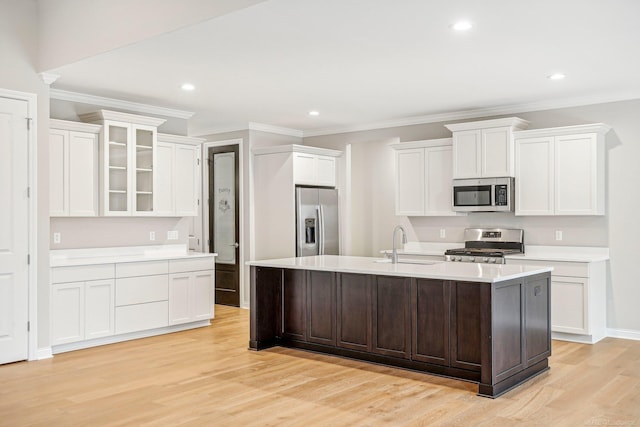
178, 177
127, 162
484, 148
314, 169
191, 286
276, 172
561, 171
423, 171
73, 168
82, 303
578, 299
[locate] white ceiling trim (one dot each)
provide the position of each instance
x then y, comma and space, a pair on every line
472, 114
65, 95
263, 127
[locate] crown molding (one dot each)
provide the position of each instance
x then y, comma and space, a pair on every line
476, 113
599, 128
441, 142
49, 78
101, 115
64, 95
276, 129
179, 139
512, 122
74, 126
296, 148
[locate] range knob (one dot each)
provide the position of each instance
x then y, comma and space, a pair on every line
472, 259
485, 259
492, 260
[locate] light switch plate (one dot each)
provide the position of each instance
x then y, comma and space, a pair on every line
558, 234
443, 233
152, 235
56, 238
172, 235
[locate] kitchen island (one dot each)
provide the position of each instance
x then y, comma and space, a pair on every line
484, 323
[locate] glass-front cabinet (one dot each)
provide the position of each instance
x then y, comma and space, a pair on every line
128, 162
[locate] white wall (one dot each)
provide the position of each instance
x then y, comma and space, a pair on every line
18, 53
373, 198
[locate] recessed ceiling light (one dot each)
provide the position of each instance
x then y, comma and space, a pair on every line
556, 76
188, 87
461, 26
314, 113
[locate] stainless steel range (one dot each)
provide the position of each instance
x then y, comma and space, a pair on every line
488, 245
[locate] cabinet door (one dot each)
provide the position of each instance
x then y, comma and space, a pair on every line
321, 307
304, 169
391, 327
534, 176
430, 321
165, 180
294, 305
144, 162
576, 175
187, 180
569, 305
179, 298
326, 171
410, 182
116, 169
354, 311
99, 307
201, 295
466, 154
58, 178
438, 185
67, 312
496, 152
83, 174
465, 325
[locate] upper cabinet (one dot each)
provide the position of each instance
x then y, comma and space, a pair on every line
423, 172
178, 175
561, 171
73, 168
484, 148
127, 162
314, 169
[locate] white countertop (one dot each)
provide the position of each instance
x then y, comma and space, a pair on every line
92, 256
425, 248
563, 253
471, 272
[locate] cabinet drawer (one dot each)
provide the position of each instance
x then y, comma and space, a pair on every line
195, 264
146, 268
560, 268
136, 290
139, 317
82, 273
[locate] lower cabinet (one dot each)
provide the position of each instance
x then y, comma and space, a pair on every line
82, 310
190, 296
354, 311
96, 301
321, 307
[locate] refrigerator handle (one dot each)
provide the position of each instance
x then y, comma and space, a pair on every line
321, 231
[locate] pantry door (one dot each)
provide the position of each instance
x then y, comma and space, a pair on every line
14, 230
224, 221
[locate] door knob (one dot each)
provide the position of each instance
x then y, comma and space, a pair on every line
235, 245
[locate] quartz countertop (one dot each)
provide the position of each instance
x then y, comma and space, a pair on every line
425, 248
472, 272
92, 256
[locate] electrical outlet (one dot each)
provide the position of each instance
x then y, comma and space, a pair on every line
56, 237
443, 233
152, 235
558, 234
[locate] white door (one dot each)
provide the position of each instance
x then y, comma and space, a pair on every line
14, 228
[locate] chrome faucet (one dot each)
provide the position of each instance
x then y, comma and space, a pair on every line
394, 253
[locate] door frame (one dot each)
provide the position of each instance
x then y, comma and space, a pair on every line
32, 241
244, 297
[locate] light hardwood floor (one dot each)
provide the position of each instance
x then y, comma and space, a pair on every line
208, 377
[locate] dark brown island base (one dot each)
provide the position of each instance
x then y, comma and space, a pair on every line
493, 330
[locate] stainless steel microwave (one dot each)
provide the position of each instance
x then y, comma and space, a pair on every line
483, 195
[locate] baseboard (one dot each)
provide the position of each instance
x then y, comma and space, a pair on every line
43, 353
627, 334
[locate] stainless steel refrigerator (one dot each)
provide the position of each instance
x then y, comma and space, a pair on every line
317, 221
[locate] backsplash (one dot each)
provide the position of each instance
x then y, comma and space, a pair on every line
102, 232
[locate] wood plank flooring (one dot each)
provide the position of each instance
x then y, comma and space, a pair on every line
208, 377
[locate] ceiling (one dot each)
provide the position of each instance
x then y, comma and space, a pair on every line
362, 62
